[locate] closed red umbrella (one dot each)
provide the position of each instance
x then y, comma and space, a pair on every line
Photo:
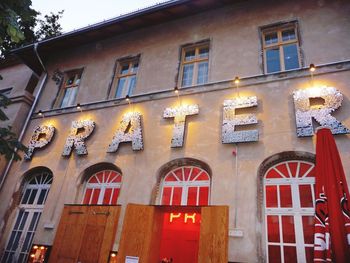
332, 217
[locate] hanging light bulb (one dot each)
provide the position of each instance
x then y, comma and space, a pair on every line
176, 90
78, 106
312, 67
237, 80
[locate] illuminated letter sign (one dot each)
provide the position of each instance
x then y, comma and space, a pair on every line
179, 114
191, 217
186, 217
304, 112
172, 216
79, 132
42, 135
130, 131
230, 120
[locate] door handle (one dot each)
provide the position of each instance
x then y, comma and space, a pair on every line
75, 212
101, 213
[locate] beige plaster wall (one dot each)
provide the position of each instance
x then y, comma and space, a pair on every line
277, 133
234, 41
235, 49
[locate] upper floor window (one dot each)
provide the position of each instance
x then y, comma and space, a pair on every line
194, 65
125, 77
69, 90
289, 211
281, 48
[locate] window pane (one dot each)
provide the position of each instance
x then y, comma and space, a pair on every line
77, 80
308, 229
273, 229
135, 67
291, 60
120, 88
107, 196
177, 196
190, 54
69, 96
271, 38
32, 196
285, 196
132, 84
70, 80
204, 52
290, 254
25, 196
187, 75
124, 69
95, 196
203, 195
288, 229
19, 218
305, 196
192, 196
42, 196
273, 60
27, 241
115, 196
87, 196
274, 254
202, 73
271, 196
288, 34
166, 196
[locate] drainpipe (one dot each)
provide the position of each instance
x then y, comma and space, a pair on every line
41, 87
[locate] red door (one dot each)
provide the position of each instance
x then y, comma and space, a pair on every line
180, 237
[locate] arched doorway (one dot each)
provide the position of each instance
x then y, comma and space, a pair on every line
185, 184
288, 188
35, 191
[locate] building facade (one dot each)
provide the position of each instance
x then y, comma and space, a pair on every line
140, 120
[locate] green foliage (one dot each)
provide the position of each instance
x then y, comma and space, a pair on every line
50, 26
8, 139
18, 22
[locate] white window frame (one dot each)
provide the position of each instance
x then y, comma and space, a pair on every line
195, 62
128, 76
185, 185
102, 186
31, 209
296, 210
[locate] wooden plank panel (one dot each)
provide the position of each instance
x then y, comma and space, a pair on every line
93, 234
156, 235
69, 234
136, 238
110, 233
213, 240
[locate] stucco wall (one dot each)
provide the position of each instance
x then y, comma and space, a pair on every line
234, 41
235, 50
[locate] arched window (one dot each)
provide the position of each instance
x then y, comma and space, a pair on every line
289, 211
186, 185
31, 206
103, 188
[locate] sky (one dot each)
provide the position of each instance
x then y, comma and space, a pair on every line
80, 13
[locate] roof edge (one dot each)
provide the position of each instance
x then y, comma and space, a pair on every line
98, 25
